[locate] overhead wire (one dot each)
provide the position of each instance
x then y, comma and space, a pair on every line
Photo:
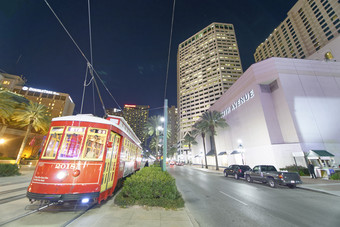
89, 64
91, 55
169, 51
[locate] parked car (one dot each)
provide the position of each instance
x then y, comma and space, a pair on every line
180, 164
269, 174
172, 163
236, 171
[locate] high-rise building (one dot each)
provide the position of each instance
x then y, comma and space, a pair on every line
310, 25
135, 115
173, 122
59, 104
208, 63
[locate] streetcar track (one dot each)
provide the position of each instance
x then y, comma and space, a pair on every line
12, 198
26, 214
13, 190
78, 215
13, 183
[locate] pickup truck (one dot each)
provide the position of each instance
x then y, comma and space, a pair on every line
269, 174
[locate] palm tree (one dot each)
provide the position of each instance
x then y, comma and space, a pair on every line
200, 129
32, 115
9, 101
151, 129
211, 120
189, 140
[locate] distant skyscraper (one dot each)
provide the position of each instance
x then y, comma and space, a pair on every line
135, 115
309, 26
173, 122
208, 63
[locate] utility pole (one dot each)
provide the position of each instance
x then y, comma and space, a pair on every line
165, 133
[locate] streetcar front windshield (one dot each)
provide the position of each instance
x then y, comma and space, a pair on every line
95, 144
72, 143
53, 142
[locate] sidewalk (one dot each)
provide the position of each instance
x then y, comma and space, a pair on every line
321, 185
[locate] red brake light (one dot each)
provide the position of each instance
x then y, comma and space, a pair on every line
280, 176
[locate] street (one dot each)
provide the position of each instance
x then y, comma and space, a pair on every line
210, 199
215, 200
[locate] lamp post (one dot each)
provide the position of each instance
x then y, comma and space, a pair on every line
241, 150
165, 132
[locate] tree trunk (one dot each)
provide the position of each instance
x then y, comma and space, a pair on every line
214, 146
3, 129
205, 151
28, 131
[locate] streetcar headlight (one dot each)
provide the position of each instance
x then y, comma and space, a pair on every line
61, 175
85, 200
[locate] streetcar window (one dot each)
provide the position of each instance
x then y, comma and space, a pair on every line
95, 143
72, 142
53, 143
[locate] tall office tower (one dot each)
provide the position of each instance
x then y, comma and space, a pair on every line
208, 63
136, 116
309, 26
173, 122
59, 104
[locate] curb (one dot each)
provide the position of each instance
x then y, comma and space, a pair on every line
317, 190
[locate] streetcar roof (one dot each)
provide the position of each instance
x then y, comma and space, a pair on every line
90, 118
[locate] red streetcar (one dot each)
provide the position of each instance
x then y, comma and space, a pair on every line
83, 158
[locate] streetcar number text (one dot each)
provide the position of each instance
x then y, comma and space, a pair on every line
65, 166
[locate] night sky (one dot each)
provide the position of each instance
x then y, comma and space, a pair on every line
130, 42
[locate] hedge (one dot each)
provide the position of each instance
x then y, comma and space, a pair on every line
303, 171
152, 187
335, 176
9, 170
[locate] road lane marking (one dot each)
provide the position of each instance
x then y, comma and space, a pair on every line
234, 198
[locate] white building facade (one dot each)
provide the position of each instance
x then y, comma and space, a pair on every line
277, 111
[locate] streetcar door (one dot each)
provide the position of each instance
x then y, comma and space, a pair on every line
113, 165
110, 162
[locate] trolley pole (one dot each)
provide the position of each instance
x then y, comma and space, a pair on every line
165, 133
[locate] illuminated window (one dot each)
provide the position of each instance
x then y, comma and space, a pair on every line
95, 143
72, 142
53, 143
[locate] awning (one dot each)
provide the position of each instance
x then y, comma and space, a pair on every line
235, 152
322, 154
211, 153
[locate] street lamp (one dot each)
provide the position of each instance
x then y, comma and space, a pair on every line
2, 141
241, 150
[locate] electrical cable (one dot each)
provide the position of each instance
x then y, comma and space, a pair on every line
169, 51
82, 99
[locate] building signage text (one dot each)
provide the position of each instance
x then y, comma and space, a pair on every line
40, 90
246, 97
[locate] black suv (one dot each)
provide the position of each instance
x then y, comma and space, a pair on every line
236, 170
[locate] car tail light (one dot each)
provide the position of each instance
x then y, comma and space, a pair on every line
240, 170
280, 176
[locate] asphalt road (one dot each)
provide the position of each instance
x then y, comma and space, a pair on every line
214, 200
